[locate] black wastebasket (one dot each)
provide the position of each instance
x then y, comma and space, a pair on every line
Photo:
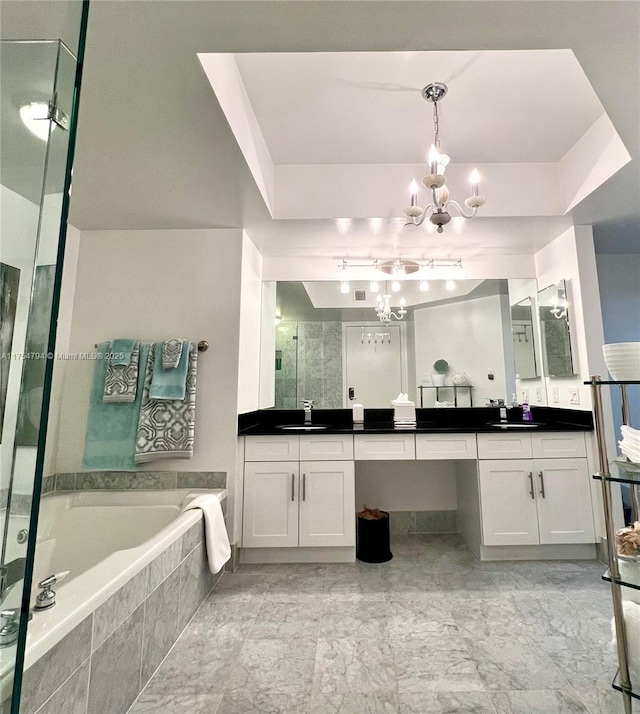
373, 544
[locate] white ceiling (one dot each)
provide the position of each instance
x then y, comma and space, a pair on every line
155, 150
366, 107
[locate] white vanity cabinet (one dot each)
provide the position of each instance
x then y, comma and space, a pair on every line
539, 500
299, 503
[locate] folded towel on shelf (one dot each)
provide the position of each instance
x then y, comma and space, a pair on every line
124, 351
110, 438
169, 384
166, 427
121, 381
631, 614
215, 532
171, 353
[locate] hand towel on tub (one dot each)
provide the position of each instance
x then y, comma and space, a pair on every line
215, 531
110, 439
121, 376
171, 353
169, 384
166, 427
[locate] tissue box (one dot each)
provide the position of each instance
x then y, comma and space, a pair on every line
404, 412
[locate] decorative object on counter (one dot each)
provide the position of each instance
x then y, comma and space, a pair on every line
622, 360
373, 536
121, 377
438, 210
461, 379
628, 540
441, 367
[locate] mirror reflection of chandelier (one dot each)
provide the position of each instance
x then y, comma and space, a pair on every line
399, 269
384, 310
438, 210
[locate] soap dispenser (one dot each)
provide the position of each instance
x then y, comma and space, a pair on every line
526, 412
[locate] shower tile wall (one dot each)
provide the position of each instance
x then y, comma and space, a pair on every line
317, 372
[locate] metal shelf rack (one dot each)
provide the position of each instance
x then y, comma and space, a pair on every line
624, 472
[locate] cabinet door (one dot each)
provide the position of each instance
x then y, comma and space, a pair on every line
270, 516
564, 501
327, 503
508, 504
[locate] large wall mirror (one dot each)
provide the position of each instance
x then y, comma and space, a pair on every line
319, 343
555, 330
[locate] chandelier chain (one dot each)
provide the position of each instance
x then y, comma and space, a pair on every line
436, 127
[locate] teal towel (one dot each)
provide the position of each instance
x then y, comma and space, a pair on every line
169, 384
123, 349
110, 439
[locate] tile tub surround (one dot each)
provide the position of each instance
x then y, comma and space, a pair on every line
433, 631
123, 480
102, 665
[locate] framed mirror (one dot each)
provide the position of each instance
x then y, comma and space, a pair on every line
524, 340
319, 343
555, 333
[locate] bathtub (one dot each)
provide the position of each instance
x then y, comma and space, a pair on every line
103, 538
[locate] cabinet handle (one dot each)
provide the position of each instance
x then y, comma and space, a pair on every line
541, 476
304, 486
531, 492
293, 486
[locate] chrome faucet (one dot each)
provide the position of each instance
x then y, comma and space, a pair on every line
308, 406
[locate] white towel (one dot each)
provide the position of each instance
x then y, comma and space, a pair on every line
215, 531
632, 625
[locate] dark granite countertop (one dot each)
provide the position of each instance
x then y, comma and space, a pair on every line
429, 421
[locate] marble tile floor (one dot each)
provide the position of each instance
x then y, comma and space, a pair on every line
432, 631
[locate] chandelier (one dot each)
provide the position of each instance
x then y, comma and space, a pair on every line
438, 209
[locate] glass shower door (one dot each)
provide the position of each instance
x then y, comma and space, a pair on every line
39, 84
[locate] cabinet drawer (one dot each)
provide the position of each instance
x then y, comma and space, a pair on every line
329, 447
272, 448
558, 445
378, 447
504, 446
446, 446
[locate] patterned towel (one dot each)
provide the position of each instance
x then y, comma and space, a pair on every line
169, 384
166, 427
171, 353
121, 381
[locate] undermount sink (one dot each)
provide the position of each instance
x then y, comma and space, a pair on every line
515, 424
302, 427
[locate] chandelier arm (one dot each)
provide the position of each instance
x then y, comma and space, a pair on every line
460, 210
419, 220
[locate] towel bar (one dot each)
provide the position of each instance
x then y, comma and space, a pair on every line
203, 346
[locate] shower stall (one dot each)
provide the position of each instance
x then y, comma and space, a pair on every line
39, 84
